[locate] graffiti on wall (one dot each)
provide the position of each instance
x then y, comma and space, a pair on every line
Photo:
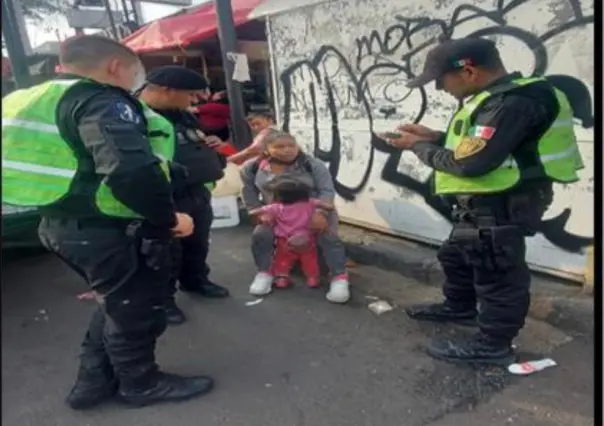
331, 87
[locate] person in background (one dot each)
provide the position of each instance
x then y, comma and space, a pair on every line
261, 123
290, 216
170, 90
284, 157
95, 161
214, 114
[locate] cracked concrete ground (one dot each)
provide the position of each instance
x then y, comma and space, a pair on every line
291, 360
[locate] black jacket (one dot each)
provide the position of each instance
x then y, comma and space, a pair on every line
106, 129
195, 164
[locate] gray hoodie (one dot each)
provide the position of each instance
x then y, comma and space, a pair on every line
255, 192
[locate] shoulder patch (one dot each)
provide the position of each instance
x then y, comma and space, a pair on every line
127, 113
469, 146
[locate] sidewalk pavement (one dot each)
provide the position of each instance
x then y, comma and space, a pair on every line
561, 304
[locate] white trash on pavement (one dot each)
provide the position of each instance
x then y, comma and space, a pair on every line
530, 367
380, 307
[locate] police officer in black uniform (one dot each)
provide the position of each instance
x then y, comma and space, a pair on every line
125, 261
496, 164
170, 91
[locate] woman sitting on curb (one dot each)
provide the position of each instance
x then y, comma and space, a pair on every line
284, 157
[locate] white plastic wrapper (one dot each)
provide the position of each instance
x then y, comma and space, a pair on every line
380, 307
530, 367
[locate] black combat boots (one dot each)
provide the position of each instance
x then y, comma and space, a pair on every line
95, 384
479, 349
439, 312
164, 387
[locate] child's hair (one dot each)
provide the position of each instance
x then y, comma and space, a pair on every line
266, 114
289, 191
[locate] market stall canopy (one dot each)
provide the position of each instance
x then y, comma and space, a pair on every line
199, 22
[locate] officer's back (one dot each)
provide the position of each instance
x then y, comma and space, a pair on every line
95, 161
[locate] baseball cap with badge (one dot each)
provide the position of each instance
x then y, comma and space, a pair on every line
453, 55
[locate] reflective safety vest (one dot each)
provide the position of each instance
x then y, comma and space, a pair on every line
38, 166
557, 149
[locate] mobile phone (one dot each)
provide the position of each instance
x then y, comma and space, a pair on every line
392, 135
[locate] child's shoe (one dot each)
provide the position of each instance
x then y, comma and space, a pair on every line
339, 291
282, 282
313, 282
262, 284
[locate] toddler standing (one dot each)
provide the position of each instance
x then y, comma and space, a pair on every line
290, 214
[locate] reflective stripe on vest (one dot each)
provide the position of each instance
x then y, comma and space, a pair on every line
557, 149
38, 166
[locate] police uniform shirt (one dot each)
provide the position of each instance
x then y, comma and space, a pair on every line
107, 131
513, 121
202, 163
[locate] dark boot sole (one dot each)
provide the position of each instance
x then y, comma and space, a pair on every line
505, 361
106, 396
176, 321
468, 322
141, 404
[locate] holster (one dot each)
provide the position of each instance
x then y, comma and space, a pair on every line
155, 251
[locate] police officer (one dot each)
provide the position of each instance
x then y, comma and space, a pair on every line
94, 159
170, 91
503, 150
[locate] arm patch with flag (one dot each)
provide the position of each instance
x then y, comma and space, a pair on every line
482, 132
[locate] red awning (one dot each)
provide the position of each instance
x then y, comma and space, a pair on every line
183, 29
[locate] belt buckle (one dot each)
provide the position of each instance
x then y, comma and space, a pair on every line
464, 202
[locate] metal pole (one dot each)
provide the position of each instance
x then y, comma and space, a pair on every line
228, 43
137, 19
111, 20
14, 45
126, 12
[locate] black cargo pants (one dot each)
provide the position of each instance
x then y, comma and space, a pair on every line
130, 276
189, 255
484, 261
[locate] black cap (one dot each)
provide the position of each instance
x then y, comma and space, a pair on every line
453, 55
177, 77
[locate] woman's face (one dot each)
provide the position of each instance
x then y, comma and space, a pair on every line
283, 149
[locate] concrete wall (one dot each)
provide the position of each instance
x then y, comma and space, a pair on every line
341, 69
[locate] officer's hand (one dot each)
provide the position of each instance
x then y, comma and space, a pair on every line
184, 225
424, 132
401, 140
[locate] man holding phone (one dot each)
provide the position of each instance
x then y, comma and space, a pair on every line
504, 148
170, 91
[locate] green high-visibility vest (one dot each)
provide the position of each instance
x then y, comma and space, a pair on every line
557, 149
38, 166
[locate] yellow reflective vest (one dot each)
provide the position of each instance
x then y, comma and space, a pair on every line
557, 148
38, 166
